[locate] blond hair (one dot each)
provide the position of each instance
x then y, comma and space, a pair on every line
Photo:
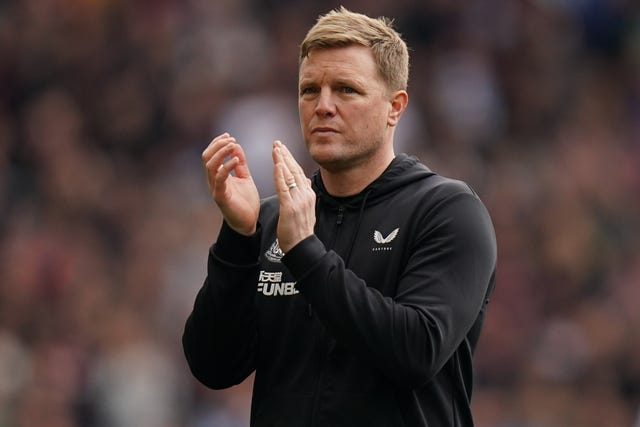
341, 28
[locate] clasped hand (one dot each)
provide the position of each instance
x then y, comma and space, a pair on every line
234, 191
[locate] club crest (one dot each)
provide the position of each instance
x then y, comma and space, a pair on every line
274, 254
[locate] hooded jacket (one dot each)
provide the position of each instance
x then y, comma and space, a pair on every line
372, 321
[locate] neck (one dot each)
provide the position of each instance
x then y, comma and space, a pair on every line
351, 181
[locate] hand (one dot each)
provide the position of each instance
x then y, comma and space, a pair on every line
297, 199
235, 194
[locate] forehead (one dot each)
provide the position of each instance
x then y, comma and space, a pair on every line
350, 62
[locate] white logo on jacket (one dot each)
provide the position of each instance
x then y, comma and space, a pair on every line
381, 240
270, 284
377, 236
274, 254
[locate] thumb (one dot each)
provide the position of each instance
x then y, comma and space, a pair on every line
242, 167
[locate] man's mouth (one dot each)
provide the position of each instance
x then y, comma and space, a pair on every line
323, 129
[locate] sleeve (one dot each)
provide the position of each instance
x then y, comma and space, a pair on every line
439, 295
219, 338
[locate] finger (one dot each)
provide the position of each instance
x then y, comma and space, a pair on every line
293, 166
242, 167
216, 144
223, 172
280, 181
209, 150
218, 170
278, 159
218, 156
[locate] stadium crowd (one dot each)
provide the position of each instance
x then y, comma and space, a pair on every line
105, 218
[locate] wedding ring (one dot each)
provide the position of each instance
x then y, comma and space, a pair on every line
292, 185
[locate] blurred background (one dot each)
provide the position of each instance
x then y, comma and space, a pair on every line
105, 217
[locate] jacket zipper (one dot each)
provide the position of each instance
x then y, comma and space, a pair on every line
322, 342
339, 219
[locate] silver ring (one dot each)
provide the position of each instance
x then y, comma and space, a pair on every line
292, 185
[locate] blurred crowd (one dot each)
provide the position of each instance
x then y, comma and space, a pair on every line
105, 218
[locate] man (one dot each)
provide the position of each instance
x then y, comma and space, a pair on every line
358, 296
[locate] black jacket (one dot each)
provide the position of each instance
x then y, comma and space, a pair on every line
370, 322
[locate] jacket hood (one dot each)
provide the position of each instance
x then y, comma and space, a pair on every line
403, 170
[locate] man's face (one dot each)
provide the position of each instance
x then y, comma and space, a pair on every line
344, 107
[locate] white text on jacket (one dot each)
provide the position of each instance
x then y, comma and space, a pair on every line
270, 284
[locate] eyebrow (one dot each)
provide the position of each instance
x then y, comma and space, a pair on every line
348, 81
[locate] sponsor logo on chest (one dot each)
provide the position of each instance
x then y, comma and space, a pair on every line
270, 284
384, 243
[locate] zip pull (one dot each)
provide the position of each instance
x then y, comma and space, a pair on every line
340, 215
310, 311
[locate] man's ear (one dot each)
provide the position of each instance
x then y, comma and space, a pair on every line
399, 101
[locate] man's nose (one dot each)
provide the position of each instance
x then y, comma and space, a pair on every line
325, 104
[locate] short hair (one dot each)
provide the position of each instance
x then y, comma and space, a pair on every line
341, 28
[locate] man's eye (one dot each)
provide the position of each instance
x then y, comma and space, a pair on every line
308, 90
347, 89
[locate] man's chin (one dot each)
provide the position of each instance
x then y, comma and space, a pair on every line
331, 162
